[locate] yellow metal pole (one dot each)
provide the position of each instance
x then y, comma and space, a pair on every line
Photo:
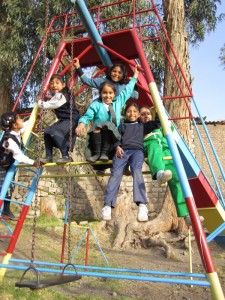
30, 124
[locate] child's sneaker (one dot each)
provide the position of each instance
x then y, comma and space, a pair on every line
100, 172
64, 159
188, 222
46, 160
8, 215
142, 213
163, 176
106, 213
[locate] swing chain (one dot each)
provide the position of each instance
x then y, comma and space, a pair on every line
40, 128
72, 100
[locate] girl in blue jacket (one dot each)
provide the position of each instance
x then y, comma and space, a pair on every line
117, 74
106, 115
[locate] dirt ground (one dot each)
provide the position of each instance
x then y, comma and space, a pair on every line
151, 259
94, 288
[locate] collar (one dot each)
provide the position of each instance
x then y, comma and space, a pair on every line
129, 122
17, 134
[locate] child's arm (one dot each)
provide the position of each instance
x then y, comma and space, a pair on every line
80, 129
125, 94
85, 119
76, 63
119, 152
92, 82
136, 72
18, 154
56, 101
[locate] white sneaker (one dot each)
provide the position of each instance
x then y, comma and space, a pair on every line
163, 176
106, 213
188, 222
142, 213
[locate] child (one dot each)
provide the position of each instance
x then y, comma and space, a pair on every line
106, 114
58, 134
117, 75
154, 149
156, 146
129, 150
14, 127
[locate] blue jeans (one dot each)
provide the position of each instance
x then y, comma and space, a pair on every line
135, 158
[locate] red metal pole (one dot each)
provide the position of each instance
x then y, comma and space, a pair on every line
63, 243
87, 246
54, 67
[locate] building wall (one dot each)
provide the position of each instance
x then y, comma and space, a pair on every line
216, 131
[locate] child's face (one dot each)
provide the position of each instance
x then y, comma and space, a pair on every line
56, 85
132, 114
107, 94
145, 115
18, 124
116, 74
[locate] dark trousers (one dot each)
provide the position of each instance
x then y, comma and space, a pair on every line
135, 158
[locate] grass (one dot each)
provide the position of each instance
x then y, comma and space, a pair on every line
48, 244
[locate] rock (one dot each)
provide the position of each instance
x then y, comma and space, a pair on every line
48, 206
82, 223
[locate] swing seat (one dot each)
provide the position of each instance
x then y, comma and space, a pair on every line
40, 284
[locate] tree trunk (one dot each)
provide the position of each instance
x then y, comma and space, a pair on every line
175, 24
5, 95
125, 231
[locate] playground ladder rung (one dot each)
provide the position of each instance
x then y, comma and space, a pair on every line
35, 134
21, 184
6, 236
14, 201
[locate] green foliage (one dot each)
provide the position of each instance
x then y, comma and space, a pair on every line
222, 56
200, 18
22, 25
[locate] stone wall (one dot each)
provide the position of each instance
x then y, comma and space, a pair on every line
87, 192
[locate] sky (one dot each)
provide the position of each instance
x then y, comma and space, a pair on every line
209, 76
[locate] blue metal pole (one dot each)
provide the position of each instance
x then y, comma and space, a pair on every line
118, 276
7, 181
99, 247
104, 269
92, 31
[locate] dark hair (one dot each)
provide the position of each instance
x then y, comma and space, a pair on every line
145, 106
131, 104
58, 76
65, 90
152, 110
103, 84
7, 120
123, 69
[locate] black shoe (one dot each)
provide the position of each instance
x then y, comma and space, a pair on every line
64, 159
104, 157
46, 160
93, 158
8, 215
100, 172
